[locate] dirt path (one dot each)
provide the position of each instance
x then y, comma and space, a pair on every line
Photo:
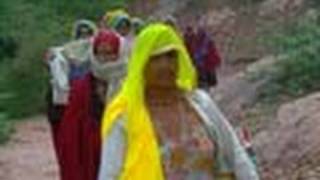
29, 155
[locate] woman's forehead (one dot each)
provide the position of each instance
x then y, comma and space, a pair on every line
106, 47
171, 53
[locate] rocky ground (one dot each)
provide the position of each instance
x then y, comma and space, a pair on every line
286, 138
289, 149
29, 155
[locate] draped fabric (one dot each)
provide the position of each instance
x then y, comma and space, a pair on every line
78, 133
143, 157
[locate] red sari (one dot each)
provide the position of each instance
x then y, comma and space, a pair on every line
78, 139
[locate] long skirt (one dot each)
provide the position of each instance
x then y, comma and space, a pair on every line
77, 145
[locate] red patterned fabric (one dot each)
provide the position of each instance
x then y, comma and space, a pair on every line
107, 37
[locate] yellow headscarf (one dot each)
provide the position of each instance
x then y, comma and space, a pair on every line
111, 16
142, 159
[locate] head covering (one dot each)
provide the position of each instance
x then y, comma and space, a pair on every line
106, 37
152, 19
83, 23
206, 55
111, 15
109, 71
190, 39
77, 52
143, 155
117, 21
170, 20
137, 24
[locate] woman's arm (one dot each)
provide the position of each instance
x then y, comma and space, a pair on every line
231, 156
113, 153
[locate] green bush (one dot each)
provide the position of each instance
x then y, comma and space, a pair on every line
35, 26
297, 73
5, 130
28, 28
314, 3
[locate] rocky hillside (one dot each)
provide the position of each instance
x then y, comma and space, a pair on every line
289, 148
286, 133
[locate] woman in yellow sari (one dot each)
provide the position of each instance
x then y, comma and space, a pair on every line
160, 127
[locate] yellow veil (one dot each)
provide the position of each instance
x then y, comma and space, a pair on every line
111, 16
142, 159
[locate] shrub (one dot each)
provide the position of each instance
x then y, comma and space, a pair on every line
28, 28
297, 73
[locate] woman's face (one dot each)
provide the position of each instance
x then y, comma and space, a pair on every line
105, 53
161, 71
124, 28
84, 32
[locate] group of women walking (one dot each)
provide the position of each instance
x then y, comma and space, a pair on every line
124, 103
